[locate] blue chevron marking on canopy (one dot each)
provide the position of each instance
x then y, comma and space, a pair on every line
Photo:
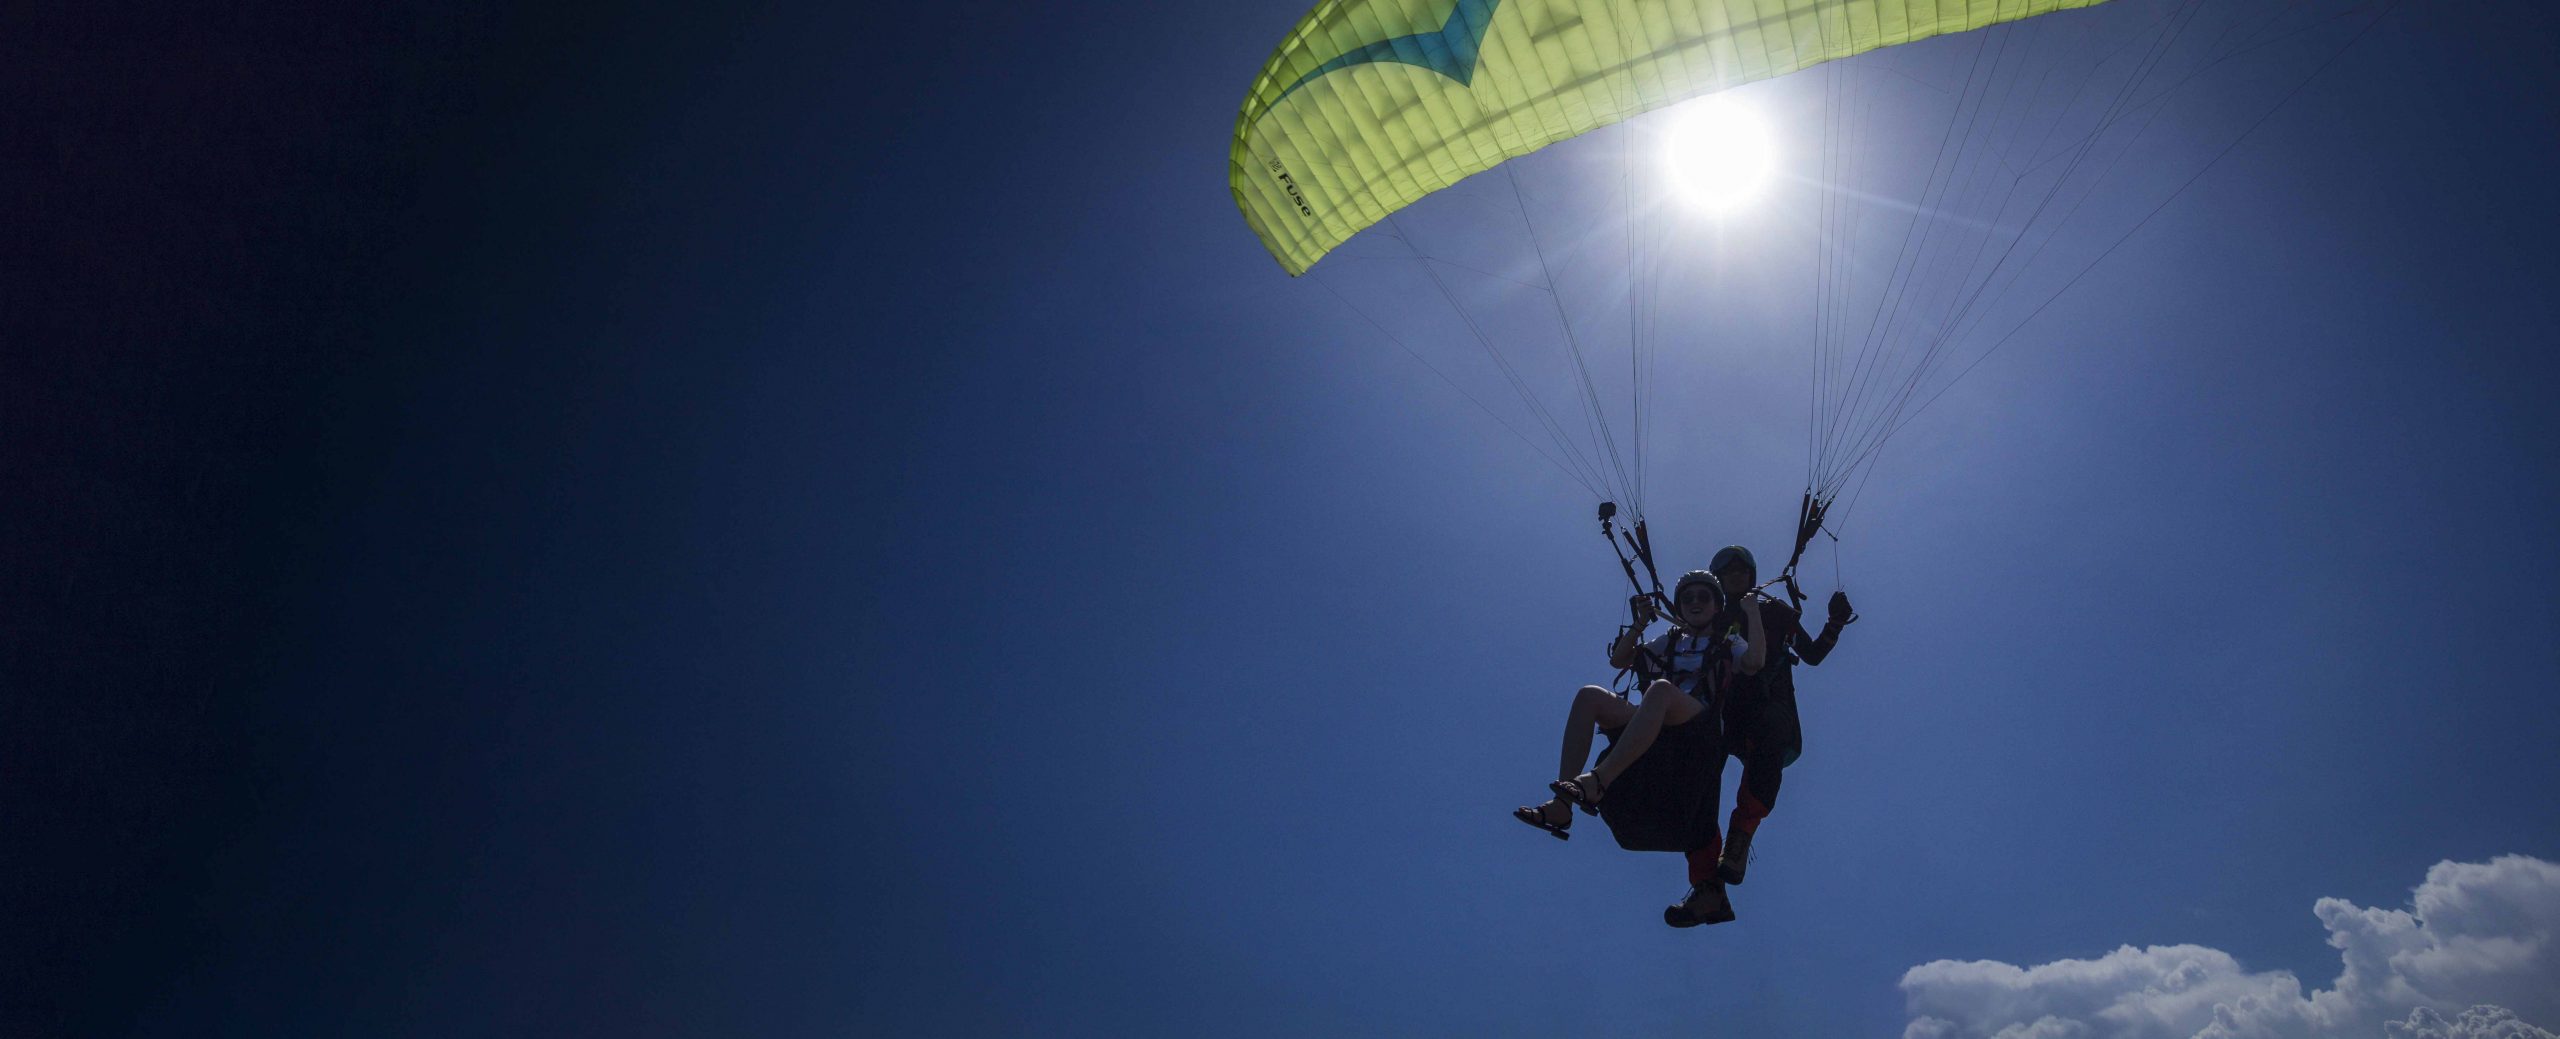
1449, 51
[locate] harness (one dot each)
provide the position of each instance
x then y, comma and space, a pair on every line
1649, 666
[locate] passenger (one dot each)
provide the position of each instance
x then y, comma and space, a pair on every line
1660, 796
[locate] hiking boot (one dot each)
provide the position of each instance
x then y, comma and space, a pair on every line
1706, 904
1736, 858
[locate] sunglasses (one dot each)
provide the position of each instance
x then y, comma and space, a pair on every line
1697, 598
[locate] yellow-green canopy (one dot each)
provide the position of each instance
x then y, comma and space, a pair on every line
1369, 105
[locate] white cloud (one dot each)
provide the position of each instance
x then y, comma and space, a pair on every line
2475, 1023
2476, 956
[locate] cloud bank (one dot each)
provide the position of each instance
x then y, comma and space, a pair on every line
2476, 956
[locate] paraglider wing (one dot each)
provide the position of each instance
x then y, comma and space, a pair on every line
1369, 105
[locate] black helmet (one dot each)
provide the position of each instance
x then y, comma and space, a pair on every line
1697, 577
1730, 555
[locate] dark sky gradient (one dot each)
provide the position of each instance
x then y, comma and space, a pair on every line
805, 521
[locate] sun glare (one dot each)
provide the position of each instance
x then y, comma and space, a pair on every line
1717, 155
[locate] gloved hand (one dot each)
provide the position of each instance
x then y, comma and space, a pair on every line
1840, 611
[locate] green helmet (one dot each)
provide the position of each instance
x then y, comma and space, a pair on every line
1728, 557
1694, 578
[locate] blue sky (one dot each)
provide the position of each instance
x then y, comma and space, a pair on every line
805, 523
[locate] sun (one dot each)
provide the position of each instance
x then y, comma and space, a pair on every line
1717, 155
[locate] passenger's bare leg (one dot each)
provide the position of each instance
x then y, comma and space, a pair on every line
1664, 704
1593, 708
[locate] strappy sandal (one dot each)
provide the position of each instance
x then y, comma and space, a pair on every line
1587, 799
1536, 815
